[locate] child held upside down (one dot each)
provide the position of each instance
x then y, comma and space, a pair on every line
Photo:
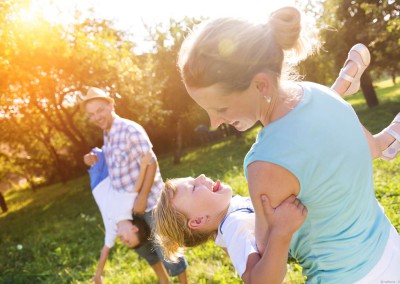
192, 211
116, 209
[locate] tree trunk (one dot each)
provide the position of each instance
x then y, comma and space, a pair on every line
178, 142
3, 204
368, 90
57, 162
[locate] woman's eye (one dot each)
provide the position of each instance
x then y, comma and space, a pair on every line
193, 188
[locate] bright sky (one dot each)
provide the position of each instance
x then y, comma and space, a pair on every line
133, 14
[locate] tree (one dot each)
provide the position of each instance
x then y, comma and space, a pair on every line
183, 112
368, 22
45, 67
385, 33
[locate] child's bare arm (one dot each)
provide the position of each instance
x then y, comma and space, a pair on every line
100, 267
284, 221
144, 162
278, 178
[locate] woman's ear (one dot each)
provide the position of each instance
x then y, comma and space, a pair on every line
261, 82
197, 222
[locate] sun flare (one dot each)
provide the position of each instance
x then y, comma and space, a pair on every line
131, 17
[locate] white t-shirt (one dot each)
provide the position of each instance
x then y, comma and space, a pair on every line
236, 232
114, 206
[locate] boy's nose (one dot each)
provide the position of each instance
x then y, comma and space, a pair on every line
201, 178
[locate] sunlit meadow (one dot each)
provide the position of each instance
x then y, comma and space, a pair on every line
55, 235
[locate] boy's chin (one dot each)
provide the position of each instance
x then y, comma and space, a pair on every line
132, 245
225, 187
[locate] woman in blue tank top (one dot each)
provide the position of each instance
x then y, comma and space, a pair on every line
312, 144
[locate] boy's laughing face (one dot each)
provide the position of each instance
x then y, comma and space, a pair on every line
201, 196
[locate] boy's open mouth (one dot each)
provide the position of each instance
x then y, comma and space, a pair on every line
217, 186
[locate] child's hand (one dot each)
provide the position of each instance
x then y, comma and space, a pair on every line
90, 159
97, 279
146, 158
287, 218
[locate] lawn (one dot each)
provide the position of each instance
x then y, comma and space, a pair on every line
55, 234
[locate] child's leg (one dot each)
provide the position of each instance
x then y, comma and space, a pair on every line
390, 139
348, 81
385, 144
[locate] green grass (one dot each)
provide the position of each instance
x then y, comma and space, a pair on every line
55, 235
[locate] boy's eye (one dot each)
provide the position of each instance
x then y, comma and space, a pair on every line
221, 110
193, 188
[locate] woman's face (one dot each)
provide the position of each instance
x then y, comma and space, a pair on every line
239, 109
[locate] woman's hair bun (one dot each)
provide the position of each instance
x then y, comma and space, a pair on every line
285, 23
287, 27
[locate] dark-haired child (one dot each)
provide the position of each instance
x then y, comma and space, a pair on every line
116, 209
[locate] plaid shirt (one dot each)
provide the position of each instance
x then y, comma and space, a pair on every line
123, 146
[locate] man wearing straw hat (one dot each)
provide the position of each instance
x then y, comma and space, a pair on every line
125, 141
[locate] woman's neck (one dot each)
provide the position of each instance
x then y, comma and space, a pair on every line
284, 101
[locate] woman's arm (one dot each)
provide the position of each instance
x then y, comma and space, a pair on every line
277, 183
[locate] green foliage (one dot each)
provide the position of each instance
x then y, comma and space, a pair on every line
45, 66
374, 23
182, 114
55, 235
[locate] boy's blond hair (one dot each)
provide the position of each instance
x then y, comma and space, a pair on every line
172, 232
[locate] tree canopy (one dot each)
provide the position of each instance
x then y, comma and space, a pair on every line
45, 66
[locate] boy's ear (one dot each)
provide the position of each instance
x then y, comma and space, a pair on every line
197, 222
134, 229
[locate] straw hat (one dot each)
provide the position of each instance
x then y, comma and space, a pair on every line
95, 93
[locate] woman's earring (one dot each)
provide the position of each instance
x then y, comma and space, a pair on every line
267, 99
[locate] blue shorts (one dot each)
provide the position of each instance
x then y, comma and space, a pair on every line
152, 253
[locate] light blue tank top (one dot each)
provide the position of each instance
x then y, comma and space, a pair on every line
322, 143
